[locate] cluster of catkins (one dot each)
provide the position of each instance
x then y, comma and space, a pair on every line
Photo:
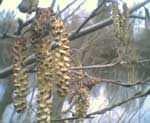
121, 23
19, 75
53, 65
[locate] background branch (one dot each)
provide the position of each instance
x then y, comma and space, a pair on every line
75, 10
115, 82
108, 65
91, 16
137, 17
102, 24
53, 4
108, 108
70, 4
7, 71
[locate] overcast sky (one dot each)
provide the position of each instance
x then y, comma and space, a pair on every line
88, 6
12, 4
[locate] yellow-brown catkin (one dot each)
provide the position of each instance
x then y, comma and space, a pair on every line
116, 20
61, 56
41, 45
125, 25
34, 5
41, 23
82, 103
44, 78
19, 75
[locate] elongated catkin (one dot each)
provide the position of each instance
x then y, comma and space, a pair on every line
19, 75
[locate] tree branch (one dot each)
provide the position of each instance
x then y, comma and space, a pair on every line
53, 4
127, 85
96, 80
108, 108
102, 24
91, 16
135, 96
70, 4
95, 66
7, 71
75, 10
108, 65
94, 27
137, 17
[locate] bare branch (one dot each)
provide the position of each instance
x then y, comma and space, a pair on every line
137, 17
102, 24
135, 96
91, 16
109, 108
96, 26
53, 4
127, 85
1, 2
8, 35
70, 4
97, 80
94, 66
74, 10
7, 71
71, 105
108, 65
69, 119
31, 59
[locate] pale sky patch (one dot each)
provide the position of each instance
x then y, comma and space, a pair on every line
88, 6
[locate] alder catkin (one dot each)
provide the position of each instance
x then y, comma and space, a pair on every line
41, 46
82, 103
116, 20
19, 75
61, 56
125, 24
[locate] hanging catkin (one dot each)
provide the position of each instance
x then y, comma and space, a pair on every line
19, 75
116, 20
82, 103
41, 45
44, 76
61, 56
125, 25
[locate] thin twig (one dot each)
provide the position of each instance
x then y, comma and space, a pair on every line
108, 65
71, 105
75, 10
98, 25
53, 4
137, 17
9, 35
31, 59
7, 71
70, 4
135, 96
110, 107
96, 80
95, 66
90, 16
124, 84
103, 23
